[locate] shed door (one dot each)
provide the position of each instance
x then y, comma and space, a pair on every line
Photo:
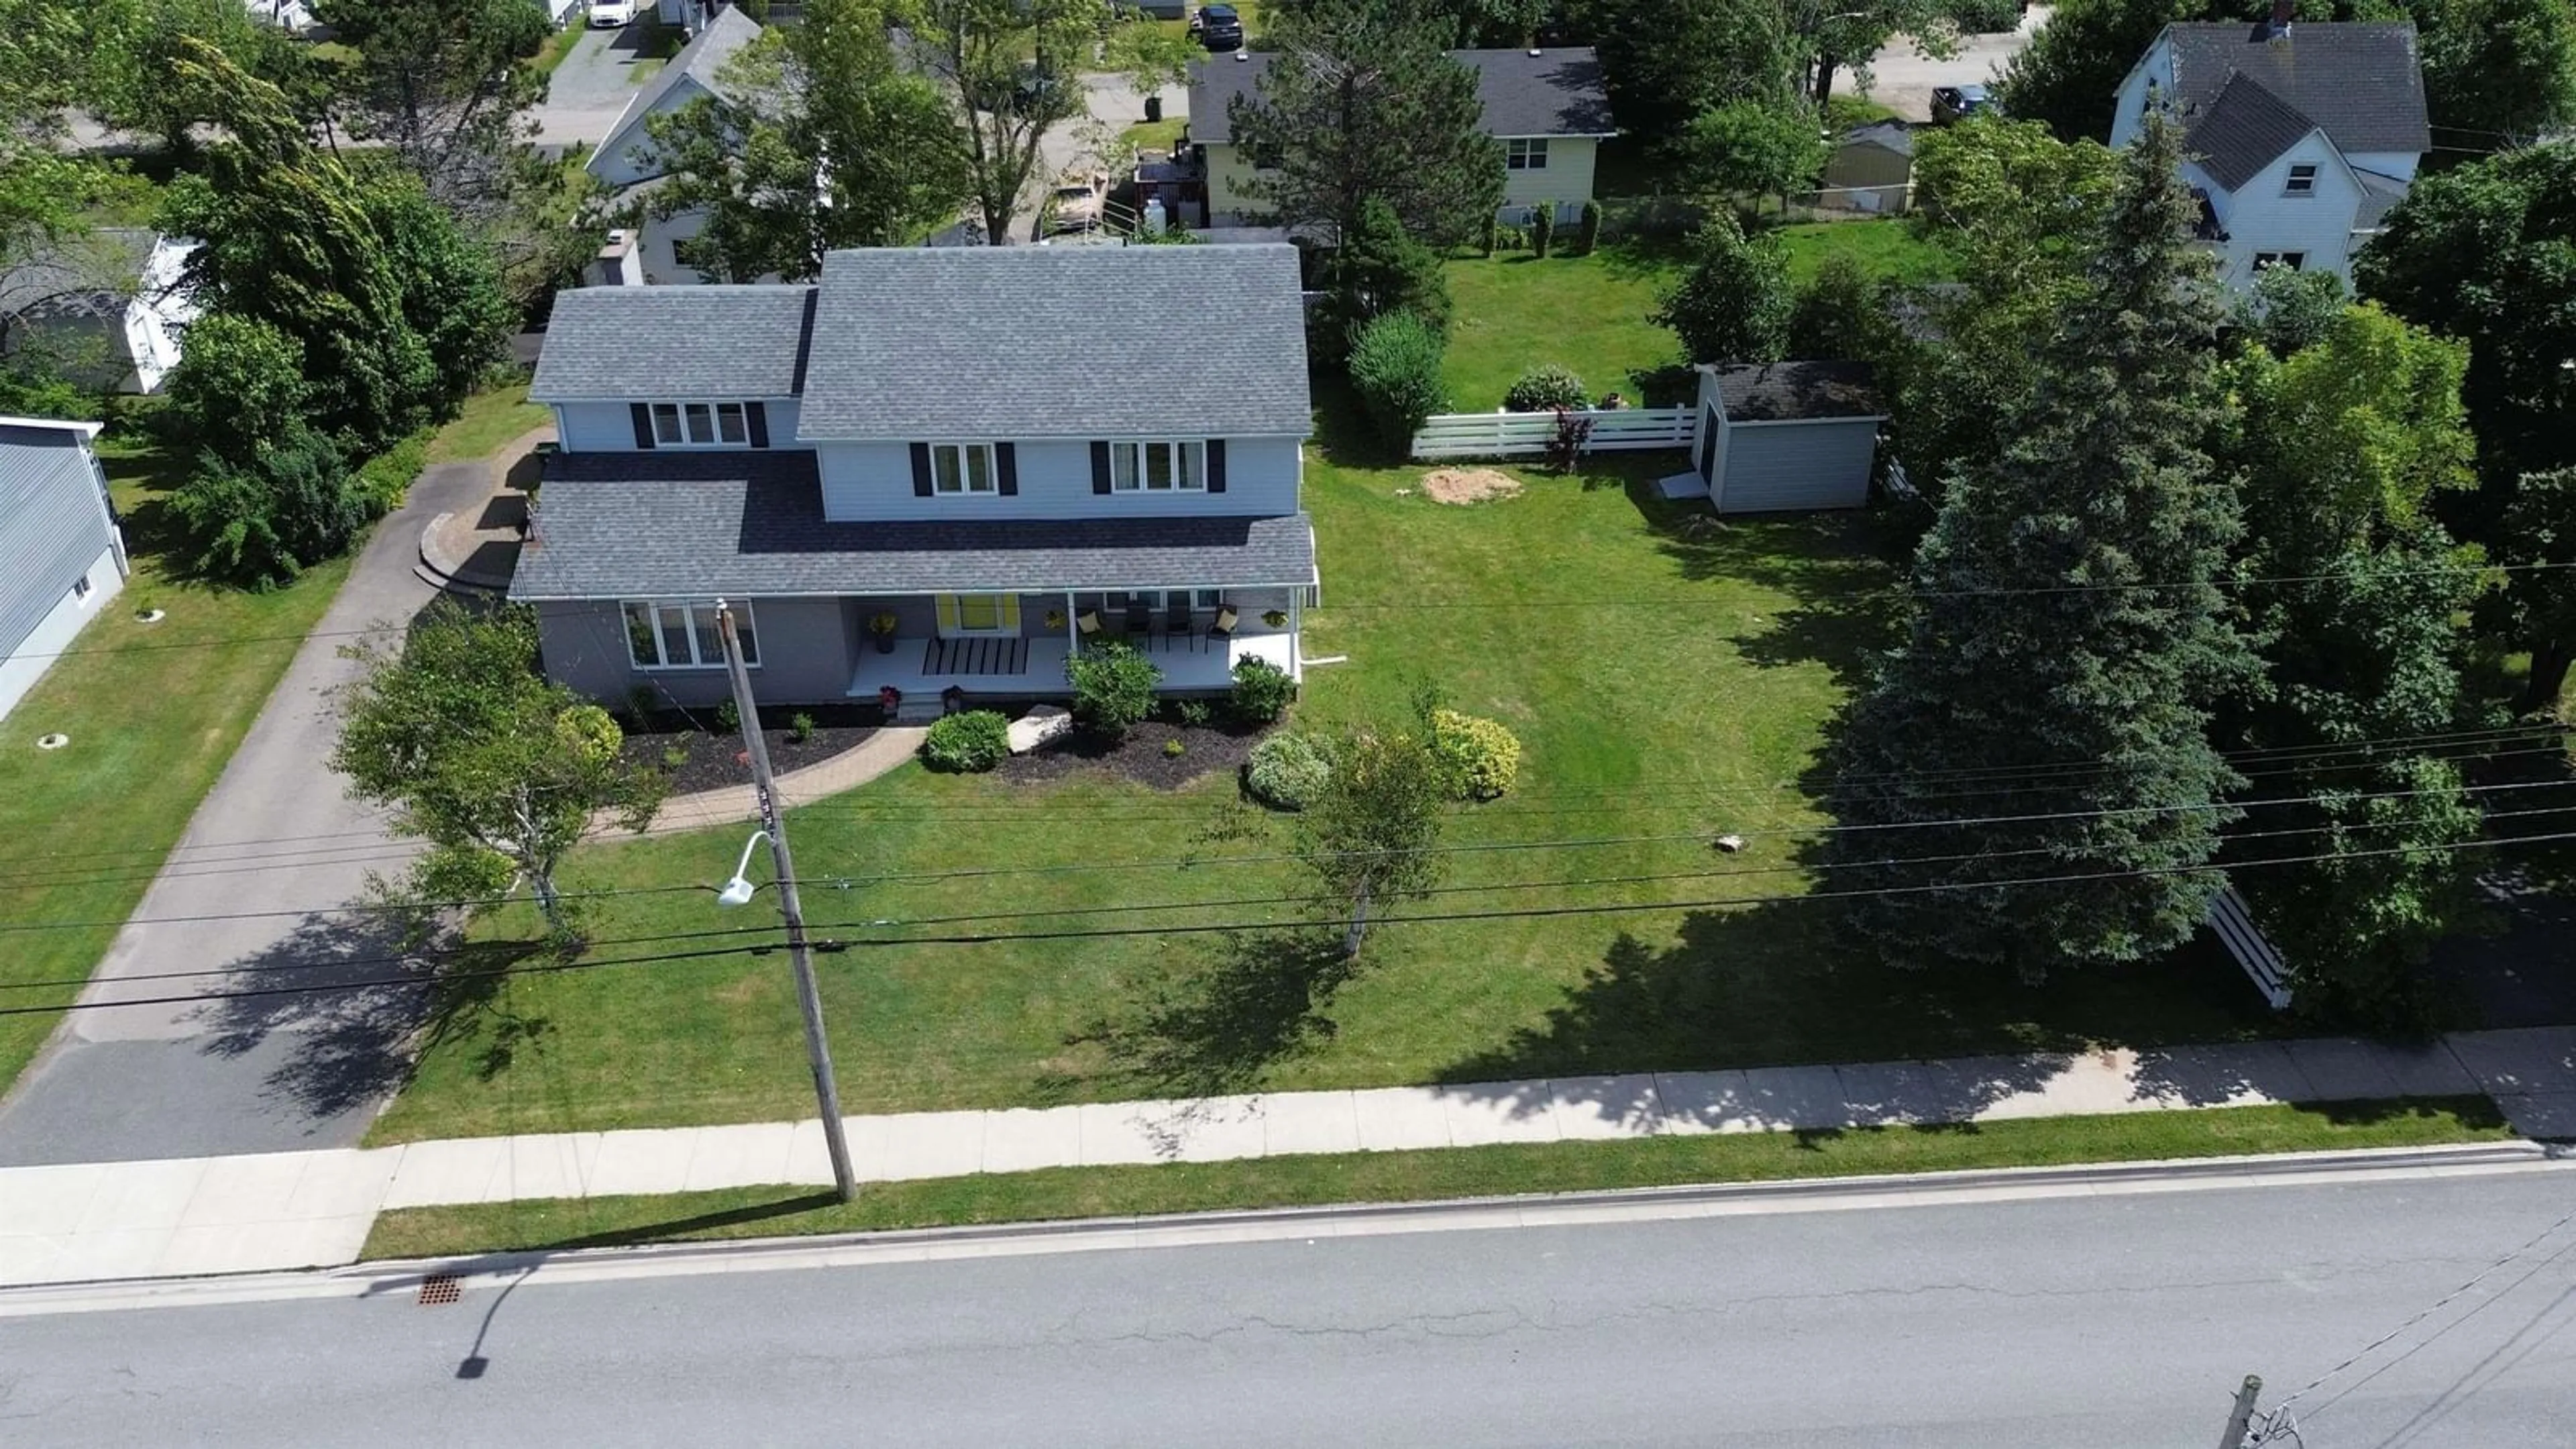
1708, 426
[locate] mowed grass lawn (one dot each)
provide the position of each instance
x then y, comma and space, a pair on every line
1669, 680
1513, 311
154, 712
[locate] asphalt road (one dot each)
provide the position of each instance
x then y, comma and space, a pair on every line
589, 91
276, 835
1902, 77
2085, 1320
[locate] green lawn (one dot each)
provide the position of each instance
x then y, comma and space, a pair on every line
1668, 679
1427, 1175
154, 712
1513, 311
488, 420
559, 45
1160, 135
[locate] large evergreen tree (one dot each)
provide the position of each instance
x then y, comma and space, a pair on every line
2343, 446
2069, 636
1362, 103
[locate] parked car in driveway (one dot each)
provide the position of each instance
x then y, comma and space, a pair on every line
1218, 27
611, 14
1075, 204
1951, 104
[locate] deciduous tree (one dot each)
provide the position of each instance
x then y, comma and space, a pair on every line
2068, 613
1733, 304
1370, 837
472, 750
1011, 68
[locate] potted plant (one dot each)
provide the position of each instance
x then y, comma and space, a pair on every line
1276, 618
1054, 620
882, 628
888, 699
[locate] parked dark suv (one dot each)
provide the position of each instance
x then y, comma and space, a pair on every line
1219, 27
1952, 104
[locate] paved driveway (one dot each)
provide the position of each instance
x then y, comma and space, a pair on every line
276, 835
589, 91
1902, 79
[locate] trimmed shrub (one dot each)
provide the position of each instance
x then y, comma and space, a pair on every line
262, 523
1542, 230
1261, 691
1113, 688
968, 743
1396, 370
728, 716
383, 480
800, 726
1587, 232
1482, 759
1287, 771
1192, 712
1546, 388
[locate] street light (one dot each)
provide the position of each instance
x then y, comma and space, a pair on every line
737, 891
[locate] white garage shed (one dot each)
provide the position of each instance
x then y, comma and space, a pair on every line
1782, 436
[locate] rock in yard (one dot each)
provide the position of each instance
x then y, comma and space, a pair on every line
1042, 723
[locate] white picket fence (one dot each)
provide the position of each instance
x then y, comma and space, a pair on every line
1528, 435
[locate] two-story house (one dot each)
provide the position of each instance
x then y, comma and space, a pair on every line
1547, 107
933, 468
2297, 138
624, 162
61, 553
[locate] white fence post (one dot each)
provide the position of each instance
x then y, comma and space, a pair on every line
1526, 435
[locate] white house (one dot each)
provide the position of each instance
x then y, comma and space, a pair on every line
2297, 138
108, 306
61, 555
932, 469
624, 161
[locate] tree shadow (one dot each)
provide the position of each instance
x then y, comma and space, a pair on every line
1742, 1007
1259, 999
1343, 436
1841, 569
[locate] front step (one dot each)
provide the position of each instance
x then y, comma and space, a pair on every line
918, 710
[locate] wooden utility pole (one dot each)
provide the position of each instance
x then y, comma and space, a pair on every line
827, 1095
2243, 1416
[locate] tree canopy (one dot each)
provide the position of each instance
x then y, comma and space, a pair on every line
1011, 70
1733, 304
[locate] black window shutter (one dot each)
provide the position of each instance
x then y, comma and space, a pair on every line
757, 416
643, 418
1099, 467
921, 470
1216, 465
1006, 462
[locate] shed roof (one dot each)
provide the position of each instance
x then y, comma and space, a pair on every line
1065, 342
1806, 391
749, 524
642, 343
2362, 83
1888, 135
52, 520
1555, 92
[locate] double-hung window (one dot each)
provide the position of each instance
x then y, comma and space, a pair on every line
1175, 467
681, 634
699, 425
1525, 153
957, 468
2302, 182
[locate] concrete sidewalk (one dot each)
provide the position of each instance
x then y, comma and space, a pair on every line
309, 1209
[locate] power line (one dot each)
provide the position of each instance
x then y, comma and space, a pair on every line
357, 908
1423, 918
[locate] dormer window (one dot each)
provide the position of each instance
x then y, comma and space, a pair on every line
2303, 181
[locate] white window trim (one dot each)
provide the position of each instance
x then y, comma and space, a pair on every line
746, 626
1134, 448
715, 421
2290, 180
992, 470
1531, 152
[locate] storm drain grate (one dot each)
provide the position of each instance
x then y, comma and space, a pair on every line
440, 1288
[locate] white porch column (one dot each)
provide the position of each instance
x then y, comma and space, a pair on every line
1072, 627
1296, 638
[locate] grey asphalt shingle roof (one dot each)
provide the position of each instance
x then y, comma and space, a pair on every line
645, 343
750, 524
1895, 136
699, 63
2378, 194
1057, 342
1805, 391
2244, 130
1553, 93
2362, 83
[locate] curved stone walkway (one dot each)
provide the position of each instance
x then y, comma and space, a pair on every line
851, 768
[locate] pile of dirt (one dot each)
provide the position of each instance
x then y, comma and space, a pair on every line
1469, 485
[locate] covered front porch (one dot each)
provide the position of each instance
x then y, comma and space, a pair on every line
1015, 646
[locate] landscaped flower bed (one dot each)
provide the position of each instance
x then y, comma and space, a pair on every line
695, 750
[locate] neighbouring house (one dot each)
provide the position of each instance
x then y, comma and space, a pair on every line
624, 162
61, 554
106, 308
1546, 107
2298, 138
934, 468
1781, 436
1872, 168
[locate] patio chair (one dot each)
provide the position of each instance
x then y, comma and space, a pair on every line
1140, 618
1177, 620
1223, 628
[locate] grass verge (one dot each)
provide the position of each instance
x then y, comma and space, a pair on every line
1432, 1174
488, 420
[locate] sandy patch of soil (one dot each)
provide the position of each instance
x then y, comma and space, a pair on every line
1468, 485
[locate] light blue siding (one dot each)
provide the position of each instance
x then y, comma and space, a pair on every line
874, 481
1779, 467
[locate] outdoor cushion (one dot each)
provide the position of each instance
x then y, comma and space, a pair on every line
1224, 625
1088, 621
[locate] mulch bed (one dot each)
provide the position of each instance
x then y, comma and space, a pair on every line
713, 759
1206, 750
